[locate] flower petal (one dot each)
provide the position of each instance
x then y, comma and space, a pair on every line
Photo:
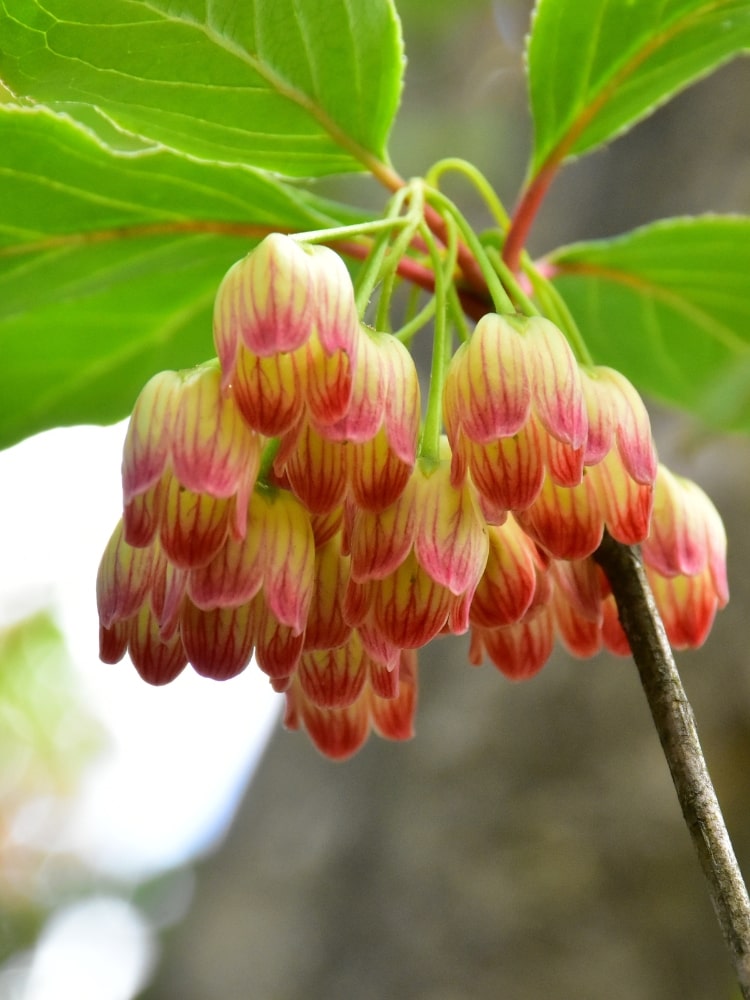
218, 643
148, 439
156, 660
334, 678
687, 605
409, 608
289, 552
555, 382
315, 468
520, 651
194, 526
235, 574
377, 476
278, 647
506, 589
509, 472
266, 300
326, 626
379, 542
402, 402
213, 449
369, 390
451, 540
567, 522
268, 391
393, 718
123, 580
492, 389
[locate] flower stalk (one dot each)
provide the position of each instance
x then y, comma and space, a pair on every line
433, 424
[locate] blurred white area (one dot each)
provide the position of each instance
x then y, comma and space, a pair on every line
98, 949
177, 758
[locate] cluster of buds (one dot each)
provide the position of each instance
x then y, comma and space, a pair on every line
277, 506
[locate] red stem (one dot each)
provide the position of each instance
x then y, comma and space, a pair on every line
526, 212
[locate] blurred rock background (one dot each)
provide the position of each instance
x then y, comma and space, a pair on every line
528, 843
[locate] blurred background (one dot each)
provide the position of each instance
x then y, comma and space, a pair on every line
527, 843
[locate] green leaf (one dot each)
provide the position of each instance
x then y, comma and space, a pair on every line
299, 87
668, 306
599, 66
109, 265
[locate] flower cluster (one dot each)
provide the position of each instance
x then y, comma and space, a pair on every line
277, 506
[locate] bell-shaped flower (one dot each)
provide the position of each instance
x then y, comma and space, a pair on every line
277, 554
577, 604
514, 578
286, 332
616, 491
335, 677
380, 461
218, 643
189, 465
519, 651
415, 565
515, 379
369, 454
617, 415
568, 522
685, 559
314, 468
327, 627
380, 700
138, 596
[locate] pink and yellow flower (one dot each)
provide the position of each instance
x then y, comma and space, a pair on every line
189, 465
252, 595
514, 381
370, 452
347, 553
286, 332
685, 559
415, 565
383, 700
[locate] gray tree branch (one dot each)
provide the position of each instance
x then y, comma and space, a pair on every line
675, 724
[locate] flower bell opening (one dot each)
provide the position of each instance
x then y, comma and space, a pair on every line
278, 506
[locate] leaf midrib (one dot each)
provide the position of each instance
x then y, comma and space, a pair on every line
720, 332
611, 84
280, 86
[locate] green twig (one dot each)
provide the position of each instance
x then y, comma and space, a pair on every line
433, 422
479, 182
500, 298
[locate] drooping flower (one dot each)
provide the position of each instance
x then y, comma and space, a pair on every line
385, 702
350, 552
138, 597
272, 570
615, 491
286, 331
382, 452
253, 595
567, 448
514, 578
189, 465
370, 452
514, 381
685, 559
415, 565
569, 521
